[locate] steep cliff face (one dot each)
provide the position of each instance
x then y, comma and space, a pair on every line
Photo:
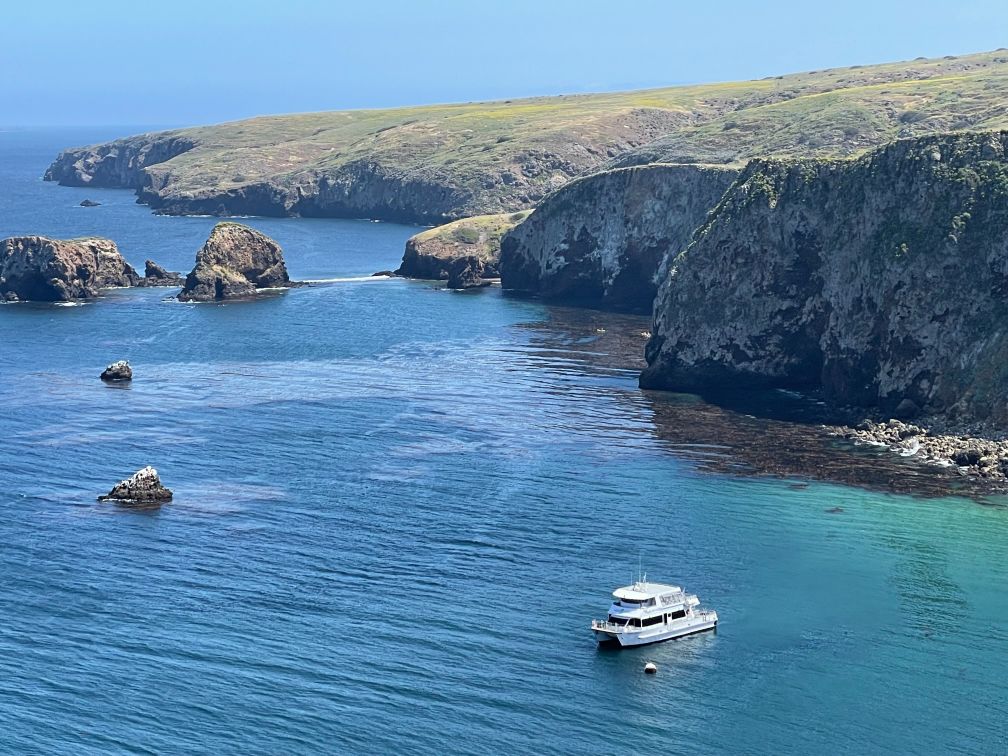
464, 253
235, 262
118, 164
439, 163
34, 268
878, 280
417, 165
601, 239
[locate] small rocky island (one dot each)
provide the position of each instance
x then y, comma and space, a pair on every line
236, 262
117, 372
465, 253
143, 487
39, 269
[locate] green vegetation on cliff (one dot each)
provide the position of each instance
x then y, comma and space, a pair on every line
880, 281
443, 162
464, 252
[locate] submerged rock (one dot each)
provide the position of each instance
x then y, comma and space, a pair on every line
36, 268
143, 487
155, 275
235, 262
465, 253
117, 372
89, 203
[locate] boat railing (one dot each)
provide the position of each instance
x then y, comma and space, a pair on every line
605, 626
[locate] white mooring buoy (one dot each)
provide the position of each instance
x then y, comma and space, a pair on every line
650, 668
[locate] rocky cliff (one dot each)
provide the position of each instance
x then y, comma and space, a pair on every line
444, 162
464, 253
881, 281
600, 240
54, 270
235, 262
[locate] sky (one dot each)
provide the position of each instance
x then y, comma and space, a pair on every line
186, 62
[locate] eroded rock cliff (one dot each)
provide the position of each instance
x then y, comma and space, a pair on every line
55, 270
876, 280
465, 253
600, 240
235, 262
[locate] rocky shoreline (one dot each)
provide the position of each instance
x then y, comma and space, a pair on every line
972, 451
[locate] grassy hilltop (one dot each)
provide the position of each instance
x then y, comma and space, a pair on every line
441, 162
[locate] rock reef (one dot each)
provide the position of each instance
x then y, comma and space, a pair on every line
143, 487
875, 281
35, 268
600, 240
464, 253
235, 262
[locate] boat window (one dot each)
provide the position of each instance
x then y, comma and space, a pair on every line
617, 620
676, 615
628, 602
653, 621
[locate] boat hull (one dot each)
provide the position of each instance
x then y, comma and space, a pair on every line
629, 639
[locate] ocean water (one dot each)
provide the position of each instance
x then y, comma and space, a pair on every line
397, 510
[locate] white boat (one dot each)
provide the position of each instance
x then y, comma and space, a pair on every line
646, 612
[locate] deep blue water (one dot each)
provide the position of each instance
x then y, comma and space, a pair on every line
396, 511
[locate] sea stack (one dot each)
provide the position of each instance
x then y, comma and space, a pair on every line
235, 262
143, 487
156, 275
39, 269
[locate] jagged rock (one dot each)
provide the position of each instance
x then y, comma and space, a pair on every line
600, 240
465, 253
967, 457
873, 280
118, 372
236, 261
53, 270
155, 275
468, 273
89, 203
143, 487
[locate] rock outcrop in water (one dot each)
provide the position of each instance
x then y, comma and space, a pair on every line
465, 253
39, 269
143, 487
600, 240
89, 203
877, 280
235, 262
118, 372
984, 458
156, 275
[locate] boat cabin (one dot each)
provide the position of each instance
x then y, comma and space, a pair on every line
644, 604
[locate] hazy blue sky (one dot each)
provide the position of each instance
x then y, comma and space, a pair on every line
200, 61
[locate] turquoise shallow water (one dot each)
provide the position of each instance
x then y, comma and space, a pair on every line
397, 510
